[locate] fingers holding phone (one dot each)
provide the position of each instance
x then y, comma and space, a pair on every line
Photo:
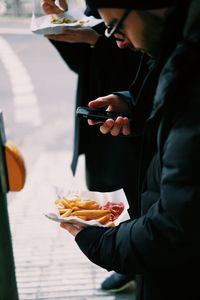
121, 125
116, 127
112, 122
110, 102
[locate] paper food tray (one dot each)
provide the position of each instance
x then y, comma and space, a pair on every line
43, 25
101, 198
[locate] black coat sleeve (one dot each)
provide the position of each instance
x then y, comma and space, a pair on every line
74, 54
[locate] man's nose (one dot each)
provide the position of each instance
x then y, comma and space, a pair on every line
121, 40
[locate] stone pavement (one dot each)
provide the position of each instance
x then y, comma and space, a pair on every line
49, 265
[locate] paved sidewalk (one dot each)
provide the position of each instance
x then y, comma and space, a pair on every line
49, 264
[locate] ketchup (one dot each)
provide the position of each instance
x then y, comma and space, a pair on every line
116, 208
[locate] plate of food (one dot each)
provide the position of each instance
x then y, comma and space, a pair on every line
54, 24
90, 208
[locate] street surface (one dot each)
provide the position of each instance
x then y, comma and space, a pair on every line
37, 100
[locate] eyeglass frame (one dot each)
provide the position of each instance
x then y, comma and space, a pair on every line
114, 29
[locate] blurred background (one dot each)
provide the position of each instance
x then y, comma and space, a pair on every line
37, 101
25, 7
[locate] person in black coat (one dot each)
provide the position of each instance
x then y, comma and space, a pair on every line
102, 67
163, 242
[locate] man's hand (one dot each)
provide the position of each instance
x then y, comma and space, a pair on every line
112, 103
50, 7
73, 229
76, 35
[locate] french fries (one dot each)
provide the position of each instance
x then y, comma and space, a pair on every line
92, 214
66, 213
63, 20
85, 210
105, 219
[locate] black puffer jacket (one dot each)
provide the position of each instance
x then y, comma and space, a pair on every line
162, 245
101, 70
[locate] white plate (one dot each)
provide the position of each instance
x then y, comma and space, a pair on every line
101, 198
43, 25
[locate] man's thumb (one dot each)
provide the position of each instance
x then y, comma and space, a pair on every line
63, 4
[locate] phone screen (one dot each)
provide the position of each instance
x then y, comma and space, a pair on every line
97, 114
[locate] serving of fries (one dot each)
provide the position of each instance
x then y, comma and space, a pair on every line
89, 210
65, 20
62, 20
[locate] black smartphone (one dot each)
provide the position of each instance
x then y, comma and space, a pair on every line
97, 114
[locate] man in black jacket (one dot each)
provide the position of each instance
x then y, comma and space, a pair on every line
101, 69
164, 240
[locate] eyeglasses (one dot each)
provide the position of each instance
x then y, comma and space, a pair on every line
111, 30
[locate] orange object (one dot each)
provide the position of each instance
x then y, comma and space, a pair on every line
15, 167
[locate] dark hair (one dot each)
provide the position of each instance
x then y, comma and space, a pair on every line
90, 12
132, 4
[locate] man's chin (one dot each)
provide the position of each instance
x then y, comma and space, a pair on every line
131, 47
144, 51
